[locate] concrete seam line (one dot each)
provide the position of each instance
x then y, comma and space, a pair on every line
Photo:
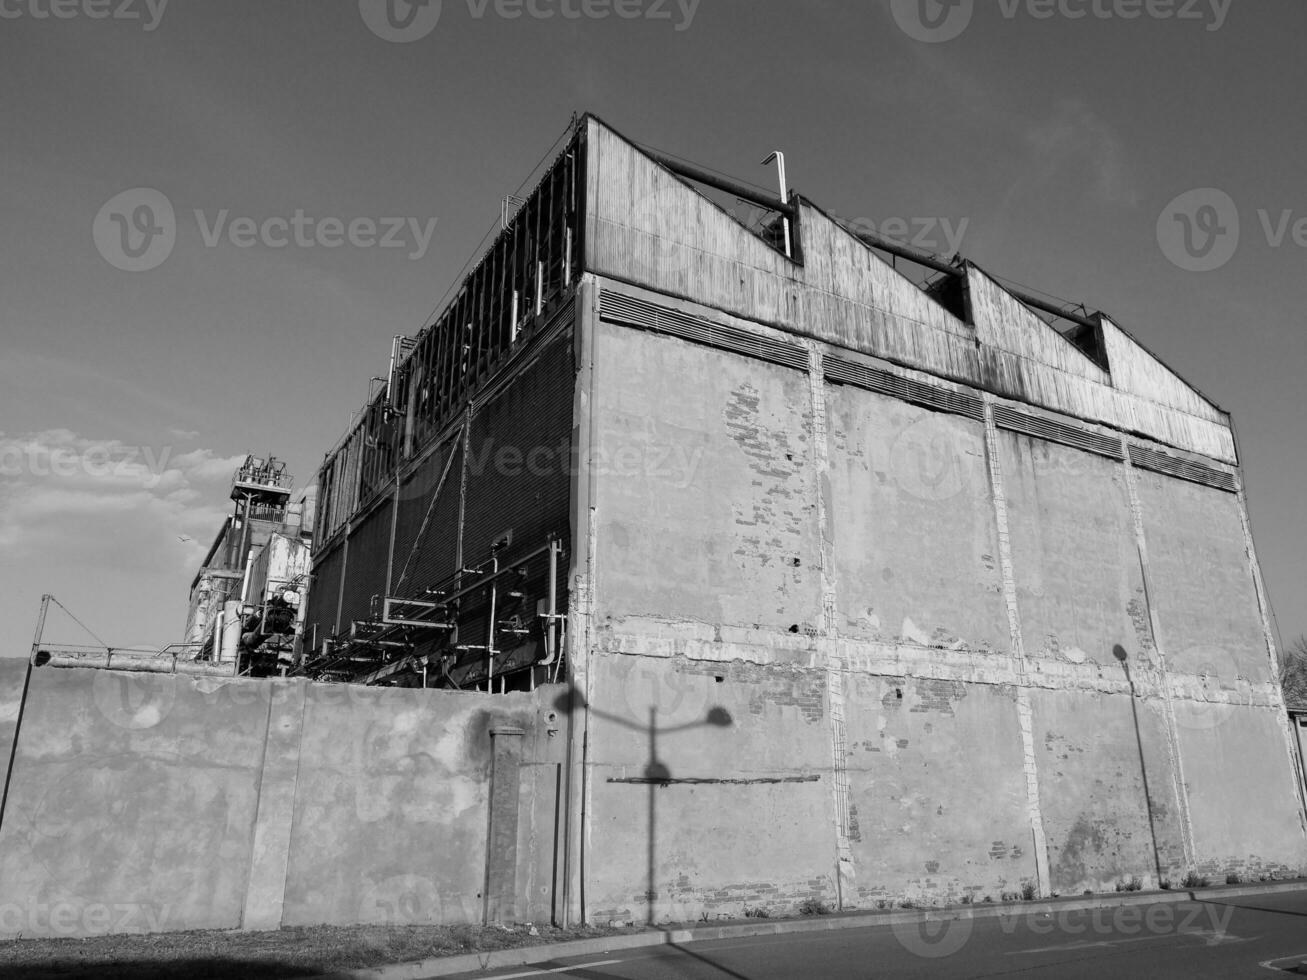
1025, 708
441, 966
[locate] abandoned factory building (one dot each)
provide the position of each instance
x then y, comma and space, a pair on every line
857, 586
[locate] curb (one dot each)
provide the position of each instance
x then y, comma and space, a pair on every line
443, 966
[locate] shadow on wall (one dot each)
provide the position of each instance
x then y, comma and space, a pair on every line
1119, 652
656, 774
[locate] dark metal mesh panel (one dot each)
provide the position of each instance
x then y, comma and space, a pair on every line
431, 558
324, 596
519, 465
365, 570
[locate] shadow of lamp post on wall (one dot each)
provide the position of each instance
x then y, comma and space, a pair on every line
656, 774
1119, 652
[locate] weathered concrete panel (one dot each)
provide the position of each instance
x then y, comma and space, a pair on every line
1203, 589
756, 826
147, 802
391, 806
1091, 789
274, 823
1247, 817
938, 793
913, 525
132, 803
1080, 587
705, 488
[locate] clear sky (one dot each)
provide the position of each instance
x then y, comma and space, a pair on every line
1053, 135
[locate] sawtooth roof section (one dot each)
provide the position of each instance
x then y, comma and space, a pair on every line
646, 225
1026, 358
649, 227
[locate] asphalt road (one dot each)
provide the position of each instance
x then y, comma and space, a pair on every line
1251, 936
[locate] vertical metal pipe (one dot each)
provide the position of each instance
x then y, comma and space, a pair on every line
217, 635
490, 629
779, 157
551, 643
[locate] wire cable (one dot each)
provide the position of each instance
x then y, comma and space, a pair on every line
80, 623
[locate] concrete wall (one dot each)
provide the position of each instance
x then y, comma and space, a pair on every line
933, 819
897, 470
156, 802
723, 462
914, 622
12, 672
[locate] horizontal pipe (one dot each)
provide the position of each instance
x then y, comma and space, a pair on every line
482, 583
1047, 307
742, 191
932, 261
928, 259
150, 665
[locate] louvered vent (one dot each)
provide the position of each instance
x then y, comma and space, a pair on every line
906, 389
632, 312
1159, 462
1015, 420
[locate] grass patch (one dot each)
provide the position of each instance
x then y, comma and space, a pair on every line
305, 952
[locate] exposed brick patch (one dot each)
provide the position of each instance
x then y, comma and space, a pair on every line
938, 696
778, 685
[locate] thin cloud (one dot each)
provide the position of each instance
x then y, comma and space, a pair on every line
63, 493
1074, 144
